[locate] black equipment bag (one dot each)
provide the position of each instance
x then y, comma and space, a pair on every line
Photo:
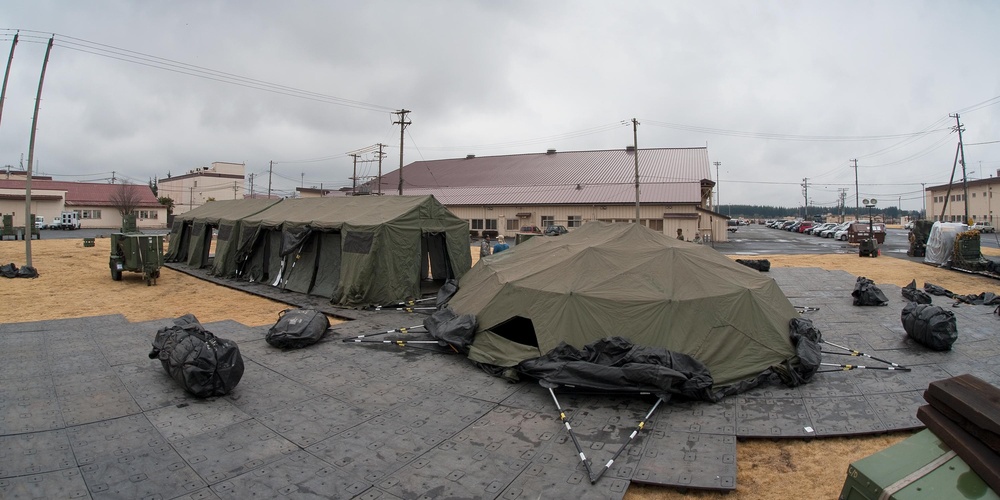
913, 294
867, 294
200, 362
297, 328
930, 326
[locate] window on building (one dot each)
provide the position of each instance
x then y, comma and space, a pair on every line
973, 195
655, 224
491, 224
548, 220
476, 224
574, 221
513, 224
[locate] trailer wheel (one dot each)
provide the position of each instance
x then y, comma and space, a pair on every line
116, 275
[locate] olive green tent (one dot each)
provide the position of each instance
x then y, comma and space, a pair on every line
191, 232
357, 250
606, 279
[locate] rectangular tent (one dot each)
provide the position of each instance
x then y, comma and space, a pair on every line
191, 233
353, 250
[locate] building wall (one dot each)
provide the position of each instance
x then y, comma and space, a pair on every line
982, 205
221, 181
100, 216
12, 202
664, 218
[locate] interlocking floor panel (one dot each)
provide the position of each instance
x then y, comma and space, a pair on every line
232, 450
299, 475
690, 460
85, 414
35, 453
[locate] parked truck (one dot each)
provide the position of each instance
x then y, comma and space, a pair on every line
69, 220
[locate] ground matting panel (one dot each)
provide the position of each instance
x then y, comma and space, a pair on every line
85, 414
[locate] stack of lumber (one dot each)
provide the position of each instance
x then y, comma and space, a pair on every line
964, 413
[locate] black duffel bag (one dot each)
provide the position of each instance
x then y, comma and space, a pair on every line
297, 328
200, 362
866, 293
930, 326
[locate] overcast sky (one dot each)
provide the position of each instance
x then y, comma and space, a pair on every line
778, 91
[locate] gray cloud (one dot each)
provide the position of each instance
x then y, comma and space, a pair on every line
513, 77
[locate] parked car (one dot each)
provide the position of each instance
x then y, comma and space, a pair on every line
56, 223
983, 227
555, 230
787, 224
732, 226
841, 235
804, 225
530, 229
815, 230
831, 232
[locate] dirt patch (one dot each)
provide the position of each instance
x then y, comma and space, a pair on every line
75, 281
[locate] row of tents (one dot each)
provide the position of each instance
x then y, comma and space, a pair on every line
601, 280
353, 250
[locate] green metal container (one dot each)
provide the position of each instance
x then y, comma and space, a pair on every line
940, 475
136, 252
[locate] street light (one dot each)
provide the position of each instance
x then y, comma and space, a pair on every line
869, 247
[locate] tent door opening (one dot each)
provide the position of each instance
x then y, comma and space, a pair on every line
434, 261
517, 329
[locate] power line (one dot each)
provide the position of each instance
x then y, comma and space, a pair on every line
134, 57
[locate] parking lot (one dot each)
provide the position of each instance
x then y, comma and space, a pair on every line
760, 240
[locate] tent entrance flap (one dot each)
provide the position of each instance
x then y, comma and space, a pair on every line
517, 329
434, 261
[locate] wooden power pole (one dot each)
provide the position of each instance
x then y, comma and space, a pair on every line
402, 126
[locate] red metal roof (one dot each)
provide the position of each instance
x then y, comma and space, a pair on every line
571, 177
85, 193
586, 194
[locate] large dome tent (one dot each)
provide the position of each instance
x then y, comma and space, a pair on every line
614, 279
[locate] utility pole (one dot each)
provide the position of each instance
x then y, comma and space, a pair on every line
10, 59
380, 156
965, 180
112, 176
718, 186
805, 194
635, 144
857, 204
354, 178
251, 184
402, 126
28, 222
270, 168
923, 198
841, 199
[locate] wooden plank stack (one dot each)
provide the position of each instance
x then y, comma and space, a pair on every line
964, 413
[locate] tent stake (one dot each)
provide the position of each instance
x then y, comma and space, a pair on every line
403, 330
572, 435
844, 368
639, 427
859, 353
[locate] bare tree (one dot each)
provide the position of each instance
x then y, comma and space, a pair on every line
126, 198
